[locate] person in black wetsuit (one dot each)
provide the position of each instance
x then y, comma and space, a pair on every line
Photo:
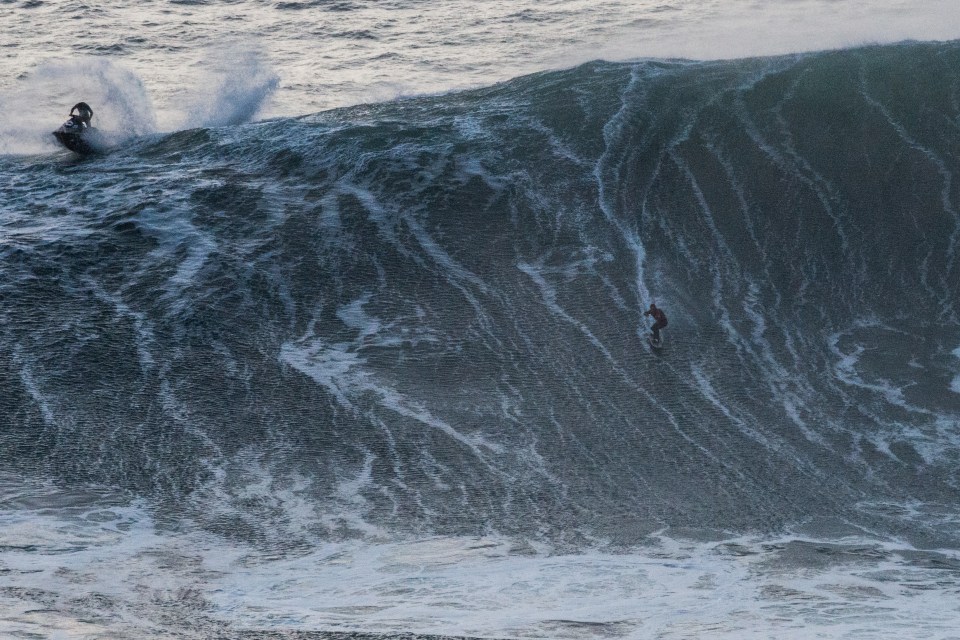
660, 320
84, 114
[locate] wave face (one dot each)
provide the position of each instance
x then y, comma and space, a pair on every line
425, 316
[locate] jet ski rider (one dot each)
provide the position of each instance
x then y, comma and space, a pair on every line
81, 119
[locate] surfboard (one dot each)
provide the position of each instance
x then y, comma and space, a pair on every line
656, 344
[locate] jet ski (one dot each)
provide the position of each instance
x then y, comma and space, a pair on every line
77, 134
76, 137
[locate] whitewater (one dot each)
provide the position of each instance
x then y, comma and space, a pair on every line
341, 335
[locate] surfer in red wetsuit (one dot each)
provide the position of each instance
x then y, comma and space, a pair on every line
660, 320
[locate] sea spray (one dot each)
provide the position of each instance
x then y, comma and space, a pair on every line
41, 101
233, 92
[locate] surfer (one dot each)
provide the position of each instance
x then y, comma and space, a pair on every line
660, 320
83, 115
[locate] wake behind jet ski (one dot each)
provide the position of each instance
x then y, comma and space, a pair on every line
77, 133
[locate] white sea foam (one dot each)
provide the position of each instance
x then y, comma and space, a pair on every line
343, 372
32, 387
174, 232
846, 371
96, 565
353, 316
955, 383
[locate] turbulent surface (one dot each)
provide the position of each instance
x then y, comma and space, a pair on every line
421, 321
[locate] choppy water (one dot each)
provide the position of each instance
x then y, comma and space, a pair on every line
272, 369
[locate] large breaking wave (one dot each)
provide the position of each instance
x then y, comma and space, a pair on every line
424, 316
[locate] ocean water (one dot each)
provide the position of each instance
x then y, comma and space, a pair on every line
340, 335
